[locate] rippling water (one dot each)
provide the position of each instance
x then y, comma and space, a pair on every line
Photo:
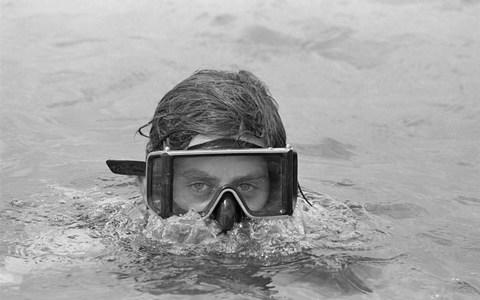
379, 98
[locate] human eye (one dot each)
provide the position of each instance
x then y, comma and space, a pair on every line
246, 187
200, 187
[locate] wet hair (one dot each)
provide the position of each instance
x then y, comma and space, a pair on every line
219, 103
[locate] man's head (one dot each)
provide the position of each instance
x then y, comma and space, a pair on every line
228, 117
216, 104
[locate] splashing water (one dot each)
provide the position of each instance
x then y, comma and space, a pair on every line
81, 228
328, 224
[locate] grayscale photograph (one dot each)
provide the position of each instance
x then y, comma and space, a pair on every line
241, 149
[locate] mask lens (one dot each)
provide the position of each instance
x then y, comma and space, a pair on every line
256, 181
275, 201
157, 186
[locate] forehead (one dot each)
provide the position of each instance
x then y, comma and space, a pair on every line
221, 166
200, 139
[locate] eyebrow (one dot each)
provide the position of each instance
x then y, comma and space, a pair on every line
251, 177
199, 174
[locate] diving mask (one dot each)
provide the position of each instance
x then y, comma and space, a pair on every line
262, 181
224, 179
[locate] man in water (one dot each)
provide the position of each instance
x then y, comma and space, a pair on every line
217, 146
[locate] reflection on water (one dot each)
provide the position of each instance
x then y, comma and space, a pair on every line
380, 98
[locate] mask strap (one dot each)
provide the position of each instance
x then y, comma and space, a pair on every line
303, 195
224, 144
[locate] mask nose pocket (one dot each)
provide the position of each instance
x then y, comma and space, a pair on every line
227, 212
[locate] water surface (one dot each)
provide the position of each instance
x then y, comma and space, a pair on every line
380, 99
